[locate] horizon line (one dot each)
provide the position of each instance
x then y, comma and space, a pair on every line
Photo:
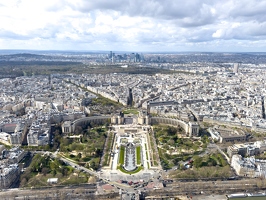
71, 50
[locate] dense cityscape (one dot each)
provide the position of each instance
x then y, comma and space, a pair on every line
138, 134
132, 100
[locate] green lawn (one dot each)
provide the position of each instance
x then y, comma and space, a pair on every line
146, 152
131, 172
131, 111
203, 172
138, 148
122, 155
108, 149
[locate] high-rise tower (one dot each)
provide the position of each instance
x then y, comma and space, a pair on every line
236, 68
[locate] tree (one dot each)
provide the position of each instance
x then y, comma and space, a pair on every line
78, 130
171, 142
195, 147
171, 130
79, 155
54, 172
45, 170
23, 182
93, 165
205, 139
98, 152
64, 171
197, 161
35, 164
180, 141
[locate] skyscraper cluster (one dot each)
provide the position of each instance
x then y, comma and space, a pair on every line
133, 57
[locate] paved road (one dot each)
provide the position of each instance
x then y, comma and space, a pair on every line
79, 167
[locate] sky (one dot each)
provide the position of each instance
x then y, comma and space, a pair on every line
134, 25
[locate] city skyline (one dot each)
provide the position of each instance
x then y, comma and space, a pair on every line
127, 25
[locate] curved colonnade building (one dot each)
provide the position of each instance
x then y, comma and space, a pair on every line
191, 128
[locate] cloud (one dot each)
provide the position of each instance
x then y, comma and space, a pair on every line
11, 35
191, 12
136, 24
251, 10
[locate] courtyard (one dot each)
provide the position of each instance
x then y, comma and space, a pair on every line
131, 154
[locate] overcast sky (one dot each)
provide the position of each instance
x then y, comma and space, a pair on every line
134, 25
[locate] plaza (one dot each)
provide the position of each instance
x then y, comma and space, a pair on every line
131, 150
